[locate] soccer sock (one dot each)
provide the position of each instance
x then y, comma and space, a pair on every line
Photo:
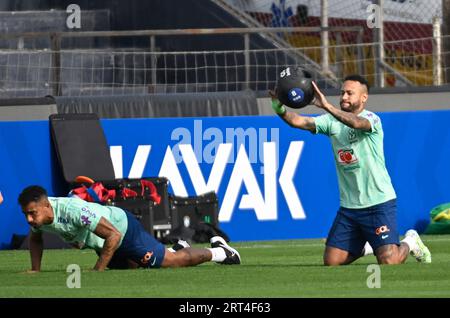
410, 241
218, 254
367, 250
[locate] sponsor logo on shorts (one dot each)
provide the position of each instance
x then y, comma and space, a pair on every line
146, 258
382, 229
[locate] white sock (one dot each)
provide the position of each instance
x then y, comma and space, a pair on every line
367, 249
218, 254
411, 242
171, 250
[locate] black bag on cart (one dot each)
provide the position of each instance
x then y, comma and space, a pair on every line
142, 209
140, 201
187, 211
141, 190
195, 218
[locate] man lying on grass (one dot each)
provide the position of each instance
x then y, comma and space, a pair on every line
115, 234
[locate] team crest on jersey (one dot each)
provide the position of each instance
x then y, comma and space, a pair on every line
346, 156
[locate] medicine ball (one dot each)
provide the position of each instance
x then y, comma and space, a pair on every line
294, 87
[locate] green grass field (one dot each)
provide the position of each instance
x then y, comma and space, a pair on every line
269, 269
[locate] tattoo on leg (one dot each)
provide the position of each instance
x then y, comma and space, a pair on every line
403, 250
204, 257
392, 254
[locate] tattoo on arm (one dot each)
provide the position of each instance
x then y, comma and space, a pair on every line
289, 117
298, 121
349, 119
112, 238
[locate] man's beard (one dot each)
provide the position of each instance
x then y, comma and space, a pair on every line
349, 106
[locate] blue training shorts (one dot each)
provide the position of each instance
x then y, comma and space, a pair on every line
353, 227
139, 246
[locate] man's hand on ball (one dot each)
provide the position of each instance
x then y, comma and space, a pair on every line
277, 106
319, 98
273, 94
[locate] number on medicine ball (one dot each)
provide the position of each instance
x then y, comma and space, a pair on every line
286, 72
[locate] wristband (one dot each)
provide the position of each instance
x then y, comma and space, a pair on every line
278, 107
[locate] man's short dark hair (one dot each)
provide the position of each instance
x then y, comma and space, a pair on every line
32, 193
357, 78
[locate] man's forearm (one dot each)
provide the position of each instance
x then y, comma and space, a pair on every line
297, 121
281, 111
288, 117
348, 119
36, 249
109, 247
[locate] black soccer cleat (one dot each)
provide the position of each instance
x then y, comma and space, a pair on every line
233, 256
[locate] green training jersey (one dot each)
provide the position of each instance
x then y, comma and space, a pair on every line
75, 220
359, 156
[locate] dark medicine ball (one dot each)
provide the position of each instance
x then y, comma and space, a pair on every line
294, 87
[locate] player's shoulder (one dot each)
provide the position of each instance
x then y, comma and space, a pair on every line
62, 201
67, 204
370, 116
327, 117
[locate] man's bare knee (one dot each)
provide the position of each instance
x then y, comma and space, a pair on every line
334, 257
388, 260
331, 262
326, 262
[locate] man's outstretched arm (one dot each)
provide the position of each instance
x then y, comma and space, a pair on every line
291, 118
112, 238
36, 249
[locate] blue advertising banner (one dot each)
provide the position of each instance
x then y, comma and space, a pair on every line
273, 181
